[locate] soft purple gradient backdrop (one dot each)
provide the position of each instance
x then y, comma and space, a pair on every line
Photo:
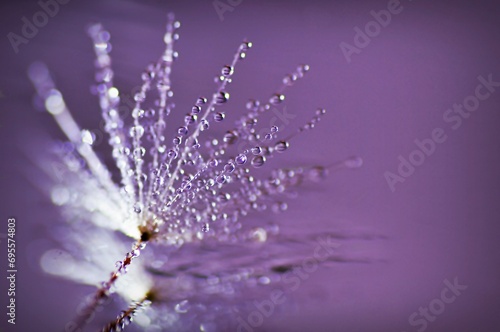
441, 223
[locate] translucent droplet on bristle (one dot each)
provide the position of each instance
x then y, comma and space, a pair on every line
221, 97
258, 161
281, 146
136, 131
221, 179
241, 159
229, 167
195, 109
302, 69
230, 137
245, 46
87, 137
177, 140
268, 137
205, 228
182, 130
139, 152
353, 162
320, 111
277, 98
137, 208
189, 119
256, 150
274, 129
201, 100
204, 125
218, 117
213, 162
137, 113
227, 71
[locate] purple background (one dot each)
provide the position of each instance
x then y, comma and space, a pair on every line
441, 223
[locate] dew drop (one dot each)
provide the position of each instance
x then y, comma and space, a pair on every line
230, 137
205, 228
277, 98
221, 97
221, 179
281, 146
182, 130
241, 159
195, 109
256, 150
258, 161
218, 117
204, 125
189, 119
136, 131
229, 167
177, 140
201, 100
227, 71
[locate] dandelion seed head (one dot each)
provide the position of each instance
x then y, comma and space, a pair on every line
178, 184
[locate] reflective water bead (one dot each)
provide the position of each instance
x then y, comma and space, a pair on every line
137, 113
256, 150
213, 162
221, 179
195, 109
241, 159
277, 98
139, 97
227, 71
274, 129
172, 154
268, 136
281, 146
139, 152
230, 137
258, 161
221, 97
320, 111
189, 119
205, 228
218, 117
201, 100
229, 167
182, 130
245, 46
302, 69
136, 131
177, 140
204, 125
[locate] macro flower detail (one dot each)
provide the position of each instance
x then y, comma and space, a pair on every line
181, 192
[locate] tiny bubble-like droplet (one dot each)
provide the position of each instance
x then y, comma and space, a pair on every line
258, 161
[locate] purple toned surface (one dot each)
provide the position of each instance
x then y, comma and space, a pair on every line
441, 223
